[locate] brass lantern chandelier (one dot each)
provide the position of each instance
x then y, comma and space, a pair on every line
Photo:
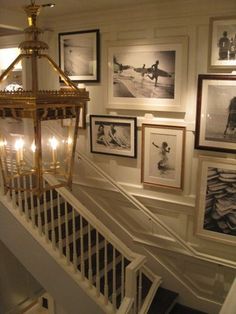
29, 118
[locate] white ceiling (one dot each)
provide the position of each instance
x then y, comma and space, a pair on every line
73, 6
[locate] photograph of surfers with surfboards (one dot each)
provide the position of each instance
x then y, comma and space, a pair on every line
144, 74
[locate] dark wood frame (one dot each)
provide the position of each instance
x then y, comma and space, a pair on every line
199, 112
223, 65
109, 119
97, 52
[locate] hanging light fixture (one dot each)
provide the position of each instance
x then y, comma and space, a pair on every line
29, 118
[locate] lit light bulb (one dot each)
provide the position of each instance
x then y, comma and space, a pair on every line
53, 142
69, 140
19, 144
3, 143
33, 147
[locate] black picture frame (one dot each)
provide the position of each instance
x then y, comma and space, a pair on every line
113, 135
215, 116
79, 55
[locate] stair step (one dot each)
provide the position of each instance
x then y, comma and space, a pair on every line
181, 309
163, 301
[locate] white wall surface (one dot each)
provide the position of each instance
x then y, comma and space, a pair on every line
17, 286
142, 25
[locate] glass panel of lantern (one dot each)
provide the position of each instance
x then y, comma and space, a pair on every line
30, 147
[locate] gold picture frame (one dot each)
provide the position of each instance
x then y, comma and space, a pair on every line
163, 148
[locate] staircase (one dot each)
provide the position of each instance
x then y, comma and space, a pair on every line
117, 275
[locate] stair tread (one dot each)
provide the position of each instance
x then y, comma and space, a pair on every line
182, 309
162, 301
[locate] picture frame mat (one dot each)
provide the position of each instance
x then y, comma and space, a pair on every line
130, 122
88, 36
217, 25
178, 44
205, 110
165, 132
204, 163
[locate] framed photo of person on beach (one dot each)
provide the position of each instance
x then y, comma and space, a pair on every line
113, 135
148, 77
222, 44
216, 113
216, 196
79, 55
162, 162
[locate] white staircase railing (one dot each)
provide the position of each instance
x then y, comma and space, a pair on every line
188, 249
105, 264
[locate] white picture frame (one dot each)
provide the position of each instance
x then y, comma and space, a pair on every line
132, 72
216, 195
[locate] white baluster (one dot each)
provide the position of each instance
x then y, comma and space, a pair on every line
39, 216
140, 290
32, 203
105, 273
114, 279
74, 241
19, 196
59, 224
46, 231
122, 277
13, 191
97, 265
52, 221
89, 256
67, 234
81, 247
135, 297
26, 199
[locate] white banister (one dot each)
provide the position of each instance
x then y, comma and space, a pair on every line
46, 231
126, 306
229, 305
81, 247
97, 264
155, 285
189, 249
131, 276
59, 225
74, 241
56, 208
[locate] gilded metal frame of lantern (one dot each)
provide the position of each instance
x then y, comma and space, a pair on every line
38, 106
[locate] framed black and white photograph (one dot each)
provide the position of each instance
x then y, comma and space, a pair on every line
216, 113
163, 155
148, 77
216, 217
113, 135
222, 44
79, 55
